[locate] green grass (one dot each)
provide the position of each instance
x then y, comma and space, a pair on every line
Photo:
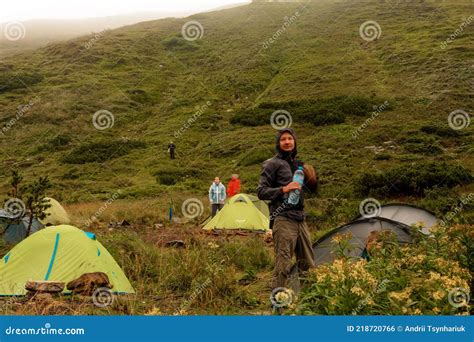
153, 81
319, 70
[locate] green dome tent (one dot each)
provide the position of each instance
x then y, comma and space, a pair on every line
239, 213
56, 214
261, 205
58, 253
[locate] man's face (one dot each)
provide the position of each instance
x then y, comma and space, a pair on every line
216, 180
287, 143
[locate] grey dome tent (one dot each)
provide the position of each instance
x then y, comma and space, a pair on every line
397, 218
14, 229
408, 215
323, 248
360, 230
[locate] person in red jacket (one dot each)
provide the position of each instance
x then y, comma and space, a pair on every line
234, 186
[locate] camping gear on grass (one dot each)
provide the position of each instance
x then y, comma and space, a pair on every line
58, 253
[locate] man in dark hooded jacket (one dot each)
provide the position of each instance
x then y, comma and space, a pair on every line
290, 233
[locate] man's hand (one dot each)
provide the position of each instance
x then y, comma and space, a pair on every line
291, 186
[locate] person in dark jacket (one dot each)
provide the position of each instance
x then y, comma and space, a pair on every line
171, 148
290, 232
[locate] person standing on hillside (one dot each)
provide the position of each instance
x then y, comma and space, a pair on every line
171, 148
234, 185
217, 196
287, 221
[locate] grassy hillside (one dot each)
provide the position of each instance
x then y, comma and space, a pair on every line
153, 81
371, 116
39, 33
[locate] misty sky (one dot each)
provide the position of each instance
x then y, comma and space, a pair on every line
21, 10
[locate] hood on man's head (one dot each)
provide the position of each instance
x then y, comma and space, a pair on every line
281, 153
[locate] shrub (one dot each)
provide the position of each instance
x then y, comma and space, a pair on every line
413, 179
255, 156
140, 96
11, 81
178, 43
318, 112
441, 131
414, 279
171, 175
382, 156
58, 142
420, 144
100, 151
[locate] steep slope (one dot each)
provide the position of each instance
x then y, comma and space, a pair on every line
154, 81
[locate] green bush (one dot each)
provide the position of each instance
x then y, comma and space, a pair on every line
417, 279
420, 144
11, 81
382, 156
256, 156
441, 131
412, 179
178, 43
166, 179
172, 175
58, 142
318, 112
140, 96
100, 151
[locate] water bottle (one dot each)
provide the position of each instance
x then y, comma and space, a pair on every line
294, 196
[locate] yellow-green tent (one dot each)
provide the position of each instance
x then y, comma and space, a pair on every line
261, 205
239, 213
58, 253
56, 214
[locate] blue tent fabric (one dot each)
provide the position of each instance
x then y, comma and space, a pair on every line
15, 229
90, 235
